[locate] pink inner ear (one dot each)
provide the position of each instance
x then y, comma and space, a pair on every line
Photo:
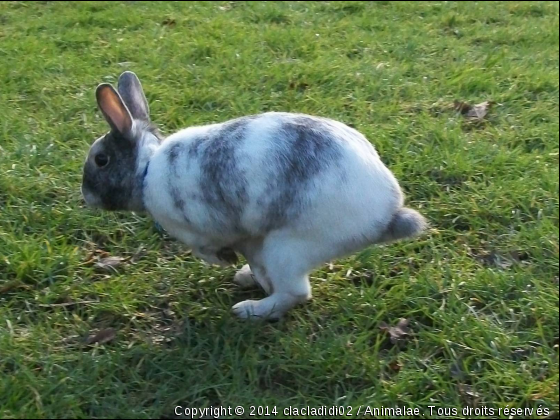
115, 110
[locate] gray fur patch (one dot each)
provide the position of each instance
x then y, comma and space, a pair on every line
196, 146
173, 154
179, 203
307, 150
223, 184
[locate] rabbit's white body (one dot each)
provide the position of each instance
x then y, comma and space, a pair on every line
287, 191
351, 202
346, 205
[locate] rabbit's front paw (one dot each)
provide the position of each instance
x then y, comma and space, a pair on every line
270, 308
248, 309
245, 277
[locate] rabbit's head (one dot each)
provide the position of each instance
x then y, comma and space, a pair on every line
117, 162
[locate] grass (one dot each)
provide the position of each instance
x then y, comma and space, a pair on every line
480, 290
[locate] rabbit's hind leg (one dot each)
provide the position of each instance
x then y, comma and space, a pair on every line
286, 263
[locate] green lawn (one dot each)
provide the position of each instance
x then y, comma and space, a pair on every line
480, 290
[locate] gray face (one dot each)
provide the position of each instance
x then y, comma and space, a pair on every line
109, 173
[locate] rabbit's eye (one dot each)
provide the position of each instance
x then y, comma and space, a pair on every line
101, 160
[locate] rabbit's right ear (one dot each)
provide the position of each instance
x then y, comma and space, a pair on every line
113, 108
132, 93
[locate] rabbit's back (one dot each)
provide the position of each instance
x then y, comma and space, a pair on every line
255, 174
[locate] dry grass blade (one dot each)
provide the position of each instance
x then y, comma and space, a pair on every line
102, 337
169, 22
477, 112
67, 304
11, 285
110, 264
398, 333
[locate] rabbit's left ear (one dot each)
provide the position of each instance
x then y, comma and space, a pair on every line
114, 109
132, 93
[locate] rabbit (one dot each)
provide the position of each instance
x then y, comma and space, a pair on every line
287, 191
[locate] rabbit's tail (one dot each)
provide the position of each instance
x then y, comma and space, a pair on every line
406, 223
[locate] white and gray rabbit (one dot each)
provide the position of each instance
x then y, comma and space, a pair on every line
287, 191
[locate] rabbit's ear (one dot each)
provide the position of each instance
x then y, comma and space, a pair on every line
114, 109
132, 93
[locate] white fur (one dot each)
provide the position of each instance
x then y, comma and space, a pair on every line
344, 214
